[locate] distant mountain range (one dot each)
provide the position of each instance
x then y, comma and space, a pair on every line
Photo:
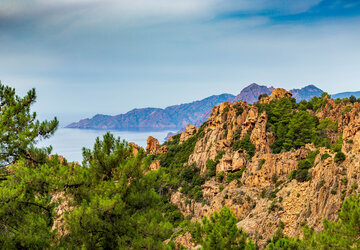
346, 94
178, 116
170, 118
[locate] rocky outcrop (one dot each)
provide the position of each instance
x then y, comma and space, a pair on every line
189, 132
153, 145
135, 148
155, 165
276, 94
63, 207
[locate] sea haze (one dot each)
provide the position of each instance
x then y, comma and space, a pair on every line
69, 142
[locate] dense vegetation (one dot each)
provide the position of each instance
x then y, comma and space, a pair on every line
175, 173
112, 201
294, 126
219, 231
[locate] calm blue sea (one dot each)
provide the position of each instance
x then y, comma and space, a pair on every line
69, 142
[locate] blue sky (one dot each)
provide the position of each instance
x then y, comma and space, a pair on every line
108, 56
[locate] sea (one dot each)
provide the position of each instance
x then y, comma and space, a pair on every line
69, 142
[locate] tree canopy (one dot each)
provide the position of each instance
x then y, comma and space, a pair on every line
19, 129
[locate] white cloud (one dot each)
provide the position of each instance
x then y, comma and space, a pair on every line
131, 12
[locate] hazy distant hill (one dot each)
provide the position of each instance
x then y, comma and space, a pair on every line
306, 93
173, 117
346, 94
178, 116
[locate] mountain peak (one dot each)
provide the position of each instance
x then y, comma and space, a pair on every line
306, 93
251, 93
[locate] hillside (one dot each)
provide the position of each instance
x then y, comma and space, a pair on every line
270, 178
178, 116
276, 174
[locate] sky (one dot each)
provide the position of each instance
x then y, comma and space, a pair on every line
86, 57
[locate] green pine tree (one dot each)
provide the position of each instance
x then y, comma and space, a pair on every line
19, 129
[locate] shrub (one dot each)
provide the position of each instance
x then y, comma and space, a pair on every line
237, 134
339, 157
220, 176
210, 168
263, 193
302, 175
347, 109
220, 231
261, 163
352, 99
292, 175
325, 156
239, 109
245, 144
235, 176
320, 184
226, 109
211, 165
274, 178
262, 96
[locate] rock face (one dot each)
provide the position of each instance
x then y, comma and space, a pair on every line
135, 148
189, 132
276, 94
153, 145
64, 206
155, 165
263, 196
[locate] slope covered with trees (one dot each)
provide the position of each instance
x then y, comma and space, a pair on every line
114, 201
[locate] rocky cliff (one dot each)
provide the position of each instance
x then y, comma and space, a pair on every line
256, 184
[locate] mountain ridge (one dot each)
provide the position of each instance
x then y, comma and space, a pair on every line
176, 117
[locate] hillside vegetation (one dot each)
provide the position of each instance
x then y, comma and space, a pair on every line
278, 174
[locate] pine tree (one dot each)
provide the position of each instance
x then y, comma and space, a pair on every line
19, 129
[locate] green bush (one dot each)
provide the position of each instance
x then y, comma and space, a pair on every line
220, 231
352, 99
347, 109
220, 176
239, 109
210, 168
339, 157
234, 176
325, 156
211, 165
292, 175
261, 163
245, 144
302, 173
262, 96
